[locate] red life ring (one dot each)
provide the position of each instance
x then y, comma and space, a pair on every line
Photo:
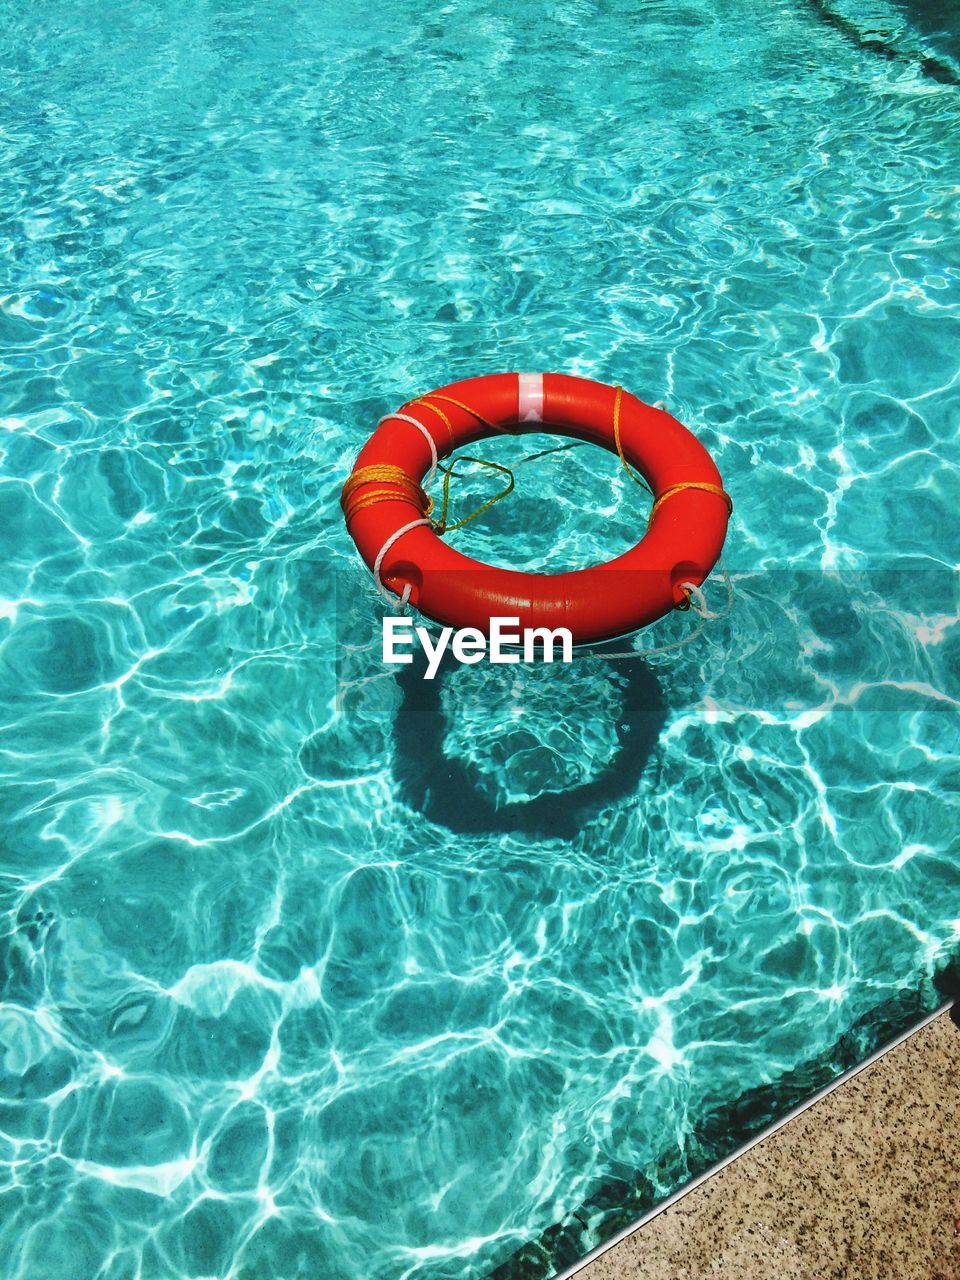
387, 511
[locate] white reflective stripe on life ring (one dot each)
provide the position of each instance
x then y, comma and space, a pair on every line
530, 397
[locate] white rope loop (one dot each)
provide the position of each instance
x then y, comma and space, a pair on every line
385, 592
698, 603
378, 563
414, 422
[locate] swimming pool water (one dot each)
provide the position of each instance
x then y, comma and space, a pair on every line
311, 970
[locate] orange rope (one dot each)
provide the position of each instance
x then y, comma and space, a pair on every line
440, 414
693, 484
616, 440
437, 395
674, 488
404, 489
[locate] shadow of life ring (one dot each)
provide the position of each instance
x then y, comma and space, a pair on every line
446, 790
387, 510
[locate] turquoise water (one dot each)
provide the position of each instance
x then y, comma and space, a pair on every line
308, 970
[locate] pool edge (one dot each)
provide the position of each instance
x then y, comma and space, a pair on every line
758, 1138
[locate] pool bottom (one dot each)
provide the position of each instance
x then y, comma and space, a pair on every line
623, 1202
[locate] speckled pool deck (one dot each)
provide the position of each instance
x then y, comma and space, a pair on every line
865, 1185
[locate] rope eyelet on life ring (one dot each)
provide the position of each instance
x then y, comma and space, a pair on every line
388, 512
